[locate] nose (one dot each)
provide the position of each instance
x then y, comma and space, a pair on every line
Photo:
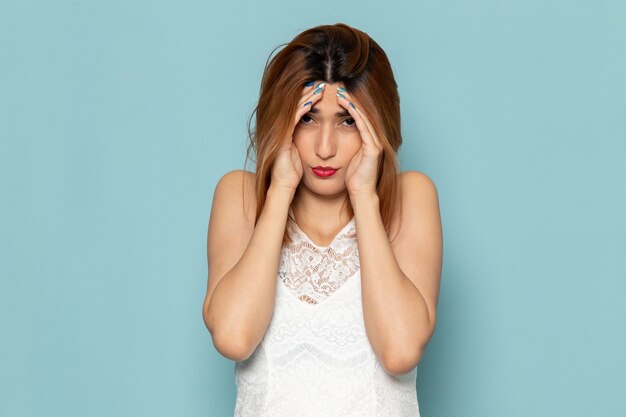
326, 146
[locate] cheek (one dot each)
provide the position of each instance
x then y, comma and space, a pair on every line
303, 141
355, 144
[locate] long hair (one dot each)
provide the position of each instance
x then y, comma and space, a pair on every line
331, 53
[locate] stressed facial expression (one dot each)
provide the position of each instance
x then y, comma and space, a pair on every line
326, 136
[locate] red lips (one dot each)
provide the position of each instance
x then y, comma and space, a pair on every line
323, 172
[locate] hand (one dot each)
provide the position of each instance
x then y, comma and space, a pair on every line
287, 169
362, 173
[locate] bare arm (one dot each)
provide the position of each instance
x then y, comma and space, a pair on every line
400, 282
240, 299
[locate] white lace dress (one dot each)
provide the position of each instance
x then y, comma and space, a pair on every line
315, 359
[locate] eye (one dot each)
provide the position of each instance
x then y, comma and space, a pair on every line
306, 120
353, 122
303, 117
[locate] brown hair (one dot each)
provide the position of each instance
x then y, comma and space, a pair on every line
331, 53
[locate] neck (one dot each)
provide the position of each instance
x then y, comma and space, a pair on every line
325, 211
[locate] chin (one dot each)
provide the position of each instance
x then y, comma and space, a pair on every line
324, 186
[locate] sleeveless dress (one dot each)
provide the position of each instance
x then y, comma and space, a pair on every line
315, 359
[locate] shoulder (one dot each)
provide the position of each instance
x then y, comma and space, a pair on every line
418, 200
418, 191
235, 191
412, 181
236, 178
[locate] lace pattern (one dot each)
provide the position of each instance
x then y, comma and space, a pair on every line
314, 272
315, 359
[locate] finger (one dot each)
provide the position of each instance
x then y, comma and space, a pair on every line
295, 156
312, 93
368, 133
305, 104
309, 86
370, 127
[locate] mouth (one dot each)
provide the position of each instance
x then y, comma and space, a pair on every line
324, 172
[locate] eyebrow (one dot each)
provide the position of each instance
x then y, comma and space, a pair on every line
338, 114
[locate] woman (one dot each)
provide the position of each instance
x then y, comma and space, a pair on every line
325, 292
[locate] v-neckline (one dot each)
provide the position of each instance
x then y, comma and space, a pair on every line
332, 242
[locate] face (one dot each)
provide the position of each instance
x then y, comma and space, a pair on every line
326, 136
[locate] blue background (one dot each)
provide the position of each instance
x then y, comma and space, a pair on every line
117, 119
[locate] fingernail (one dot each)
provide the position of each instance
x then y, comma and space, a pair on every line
320, 85
352, 105
318, 90
310, 83
307, 103
341, 95
341, 89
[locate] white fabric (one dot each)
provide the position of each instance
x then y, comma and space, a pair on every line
315, 359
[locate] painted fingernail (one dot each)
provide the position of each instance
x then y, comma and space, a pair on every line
352, 105
318, 90
320, 85
341, 89
341, 95
310, 83
307, 103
